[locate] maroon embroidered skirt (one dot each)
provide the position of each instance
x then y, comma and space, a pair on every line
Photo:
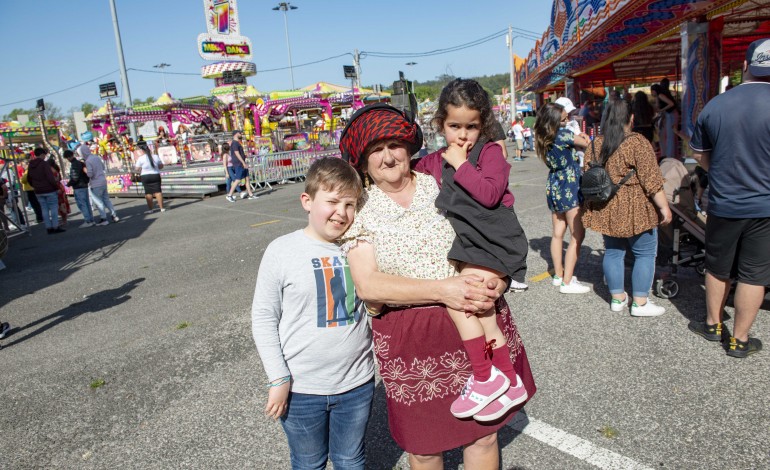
424, 367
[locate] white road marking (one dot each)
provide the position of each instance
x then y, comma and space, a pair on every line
573, 445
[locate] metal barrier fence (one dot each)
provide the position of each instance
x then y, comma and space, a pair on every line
284, 167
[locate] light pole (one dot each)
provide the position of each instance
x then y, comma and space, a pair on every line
509, 39
284, 7
410, 64
122, 65
162, 66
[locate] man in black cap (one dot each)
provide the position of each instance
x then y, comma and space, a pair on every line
240, 168
732, 142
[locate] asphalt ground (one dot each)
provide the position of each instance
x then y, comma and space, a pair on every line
131, 348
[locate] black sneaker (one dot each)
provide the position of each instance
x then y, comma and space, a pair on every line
737, 348
710, 332
4, 327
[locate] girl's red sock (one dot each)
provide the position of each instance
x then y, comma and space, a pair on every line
501, 358
477, 354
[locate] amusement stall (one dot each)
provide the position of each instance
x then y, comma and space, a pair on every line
598, 45
285, 130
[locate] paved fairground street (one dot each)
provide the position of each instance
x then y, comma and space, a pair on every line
131, 347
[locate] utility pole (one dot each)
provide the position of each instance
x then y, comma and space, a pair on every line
357, 65
509, 40
122, 66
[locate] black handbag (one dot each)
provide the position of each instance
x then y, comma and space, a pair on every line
596, 184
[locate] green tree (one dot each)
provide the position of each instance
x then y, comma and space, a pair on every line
52, 112
12, 114
88, 108
148, 100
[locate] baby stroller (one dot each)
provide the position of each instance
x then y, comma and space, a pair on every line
683, 242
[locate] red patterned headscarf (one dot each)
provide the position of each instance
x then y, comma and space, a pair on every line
377, 122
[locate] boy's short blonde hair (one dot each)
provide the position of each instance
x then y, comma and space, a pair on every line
333, 174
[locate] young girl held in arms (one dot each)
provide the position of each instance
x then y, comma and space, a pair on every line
473, 175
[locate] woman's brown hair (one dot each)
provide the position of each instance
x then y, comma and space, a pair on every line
547, 125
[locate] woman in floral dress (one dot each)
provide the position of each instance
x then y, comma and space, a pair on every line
555, 145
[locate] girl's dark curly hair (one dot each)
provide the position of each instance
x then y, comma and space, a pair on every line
466, 92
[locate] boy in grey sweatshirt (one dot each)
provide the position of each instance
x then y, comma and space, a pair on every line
314, 341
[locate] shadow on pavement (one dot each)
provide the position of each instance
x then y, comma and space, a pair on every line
39, 261
92, 304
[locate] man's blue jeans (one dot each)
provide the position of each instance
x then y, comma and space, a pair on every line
49, 202
644, 246
84, 204
230, 179
321, 427
101, 200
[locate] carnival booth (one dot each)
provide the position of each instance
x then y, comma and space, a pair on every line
621, 43
185, 156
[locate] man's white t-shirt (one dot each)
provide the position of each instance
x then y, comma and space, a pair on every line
518, 131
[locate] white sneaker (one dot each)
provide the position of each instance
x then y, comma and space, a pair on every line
517, 286
647, 310
230, 198
244, 195
574, 287
86, 225
150, 211
115, 218
619, 305
163, 210
555, 281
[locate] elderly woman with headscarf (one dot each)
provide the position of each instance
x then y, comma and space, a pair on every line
397, 249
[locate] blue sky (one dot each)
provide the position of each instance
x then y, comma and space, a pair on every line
52, 45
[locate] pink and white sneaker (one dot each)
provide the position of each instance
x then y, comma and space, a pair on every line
515, 395
476, 395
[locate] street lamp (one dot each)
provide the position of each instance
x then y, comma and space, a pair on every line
162, 66
284, 7
410, 64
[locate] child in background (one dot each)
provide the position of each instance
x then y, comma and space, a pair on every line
314, 341
490, 242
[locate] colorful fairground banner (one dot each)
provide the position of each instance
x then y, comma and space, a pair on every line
223, 38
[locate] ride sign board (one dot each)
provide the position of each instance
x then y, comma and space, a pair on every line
223, 38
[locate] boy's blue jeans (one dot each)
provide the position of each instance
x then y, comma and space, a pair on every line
644, 246
321, 427
84, 203
101, 200
50, 204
